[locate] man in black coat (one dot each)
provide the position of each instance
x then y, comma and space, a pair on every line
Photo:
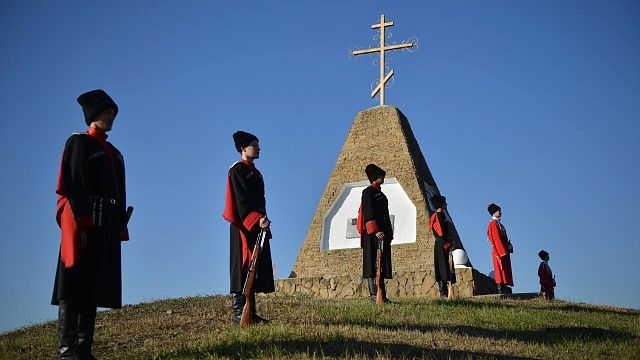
443, 264
92, 218
245, 209
375, 229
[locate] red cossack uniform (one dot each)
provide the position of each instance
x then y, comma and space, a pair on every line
500, 250
547, 282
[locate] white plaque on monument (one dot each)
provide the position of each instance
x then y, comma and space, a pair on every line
339, 230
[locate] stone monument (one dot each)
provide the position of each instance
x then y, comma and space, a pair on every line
329, 264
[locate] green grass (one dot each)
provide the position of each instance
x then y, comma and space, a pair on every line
303, 327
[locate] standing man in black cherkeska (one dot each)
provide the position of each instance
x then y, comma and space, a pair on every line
443, 245
374, 225
92, 218
245, 209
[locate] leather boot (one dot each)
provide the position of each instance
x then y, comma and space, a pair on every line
237, 304
384, 291
504, 289
255, 318
67, 331
444, 290
373, 290
86, 327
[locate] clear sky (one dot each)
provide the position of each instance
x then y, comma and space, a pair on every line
534, 105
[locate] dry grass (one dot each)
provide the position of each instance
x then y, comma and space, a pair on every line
201, 328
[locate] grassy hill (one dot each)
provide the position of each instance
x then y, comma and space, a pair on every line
303, 327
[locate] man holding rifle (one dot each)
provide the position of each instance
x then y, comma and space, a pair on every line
245, 209
442, 262
376, 233
93, 220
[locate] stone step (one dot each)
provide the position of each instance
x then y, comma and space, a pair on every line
516, 296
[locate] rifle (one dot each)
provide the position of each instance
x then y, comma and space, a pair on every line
452, 269
245, 320
379, 293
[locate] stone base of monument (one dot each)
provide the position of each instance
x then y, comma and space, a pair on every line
514, 296
419, 283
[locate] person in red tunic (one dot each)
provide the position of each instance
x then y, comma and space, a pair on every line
500, 249
547, 280
93, 221
245, 209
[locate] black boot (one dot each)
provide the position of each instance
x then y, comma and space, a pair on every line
444, 289
373, 290
384, 291
67, 331
237, 304
86, 327
255, 318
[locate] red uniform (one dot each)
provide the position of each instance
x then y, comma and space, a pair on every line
547, 282
500, 249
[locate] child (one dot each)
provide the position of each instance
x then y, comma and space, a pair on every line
547, 280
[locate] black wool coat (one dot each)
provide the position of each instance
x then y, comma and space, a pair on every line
94, 185
442, 262
247, 190
375, 211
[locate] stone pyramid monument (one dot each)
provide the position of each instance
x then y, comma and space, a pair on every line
330, 261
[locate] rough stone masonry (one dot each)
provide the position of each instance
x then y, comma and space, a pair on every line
381, 135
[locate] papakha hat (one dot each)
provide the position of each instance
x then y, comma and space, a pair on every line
492, 208
94, 102
243, 139
374, 172
438, 201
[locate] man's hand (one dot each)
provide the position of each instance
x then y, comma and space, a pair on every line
380, 235
264, 222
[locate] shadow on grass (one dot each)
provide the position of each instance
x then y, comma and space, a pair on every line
544, 336
559, 305
577, 308
547, 336
334, 349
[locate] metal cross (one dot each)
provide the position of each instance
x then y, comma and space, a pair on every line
383, 78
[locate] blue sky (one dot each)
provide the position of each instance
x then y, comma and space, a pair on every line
532, 105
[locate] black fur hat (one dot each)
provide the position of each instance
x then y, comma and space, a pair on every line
94, 102
543, 254
243, 139
492, 208
438, 201
374, 172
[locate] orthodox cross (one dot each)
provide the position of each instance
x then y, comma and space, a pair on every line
382, 48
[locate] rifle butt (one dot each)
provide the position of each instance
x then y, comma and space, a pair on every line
379, 294
245, 320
